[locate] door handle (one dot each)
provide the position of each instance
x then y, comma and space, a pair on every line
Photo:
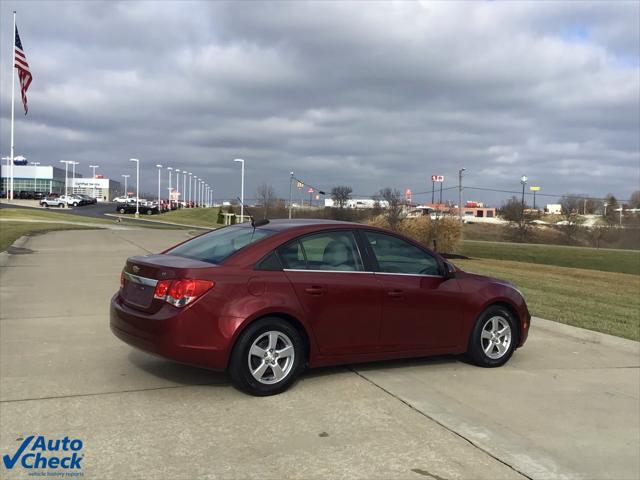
395, 293
315, 290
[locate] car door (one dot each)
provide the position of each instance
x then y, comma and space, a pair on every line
421, 308
341, 300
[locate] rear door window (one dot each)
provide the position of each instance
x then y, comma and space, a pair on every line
330, 251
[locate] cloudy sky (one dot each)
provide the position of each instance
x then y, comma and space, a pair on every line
367, 94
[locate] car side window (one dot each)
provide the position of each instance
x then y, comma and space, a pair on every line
394, 255
330, 251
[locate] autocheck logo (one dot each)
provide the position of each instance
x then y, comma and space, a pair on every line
36, 452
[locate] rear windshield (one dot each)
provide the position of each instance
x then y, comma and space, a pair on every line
216, 246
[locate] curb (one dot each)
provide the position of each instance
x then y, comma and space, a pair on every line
589, 336
19, 243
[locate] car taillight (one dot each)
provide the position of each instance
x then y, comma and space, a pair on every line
182, 291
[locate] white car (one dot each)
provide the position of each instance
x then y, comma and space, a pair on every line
71, 200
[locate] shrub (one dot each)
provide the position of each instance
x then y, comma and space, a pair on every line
446, 232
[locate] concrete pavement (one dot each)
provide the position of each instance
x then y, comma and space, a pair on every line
563, 407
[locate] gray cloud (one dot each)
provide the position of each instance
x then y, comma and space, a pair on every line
368, 94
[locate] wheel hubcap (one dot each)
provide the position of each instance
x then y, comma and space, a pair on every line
271, 357
495, 338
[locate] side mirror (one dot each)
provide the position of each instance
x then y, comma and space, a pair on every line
449, 271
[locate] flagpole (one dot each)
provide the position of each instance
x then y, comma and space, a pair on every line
13, 94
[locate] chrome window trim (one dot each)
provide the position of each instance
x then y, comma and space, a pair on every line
409, 274
149, 282
325, 271
362, 271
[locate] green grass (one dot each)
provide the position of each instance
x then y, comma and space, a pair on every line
11, 231
602, 301
199, 217
48, 215
606, 260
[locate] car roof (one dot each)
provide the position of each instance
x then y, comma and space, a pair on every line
280, 225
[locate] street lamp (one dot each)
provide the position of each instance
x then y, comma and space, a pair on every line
195, 190
137, 185
93, 167
290, 192
126, 193
66, 170
184, 187
460, 193
35, 176
241, 190
190, 196
178, 185
523, 181
169, 168
73, 182
202, 192
159, 167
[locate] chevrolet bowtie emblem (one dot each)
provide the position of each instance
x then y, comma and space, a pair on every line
135, 269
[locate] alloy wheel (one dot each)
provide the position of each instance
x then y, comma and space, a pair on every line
495, 338
271, 357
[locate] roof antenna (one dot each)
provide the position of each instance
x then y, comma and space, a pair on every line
254, 223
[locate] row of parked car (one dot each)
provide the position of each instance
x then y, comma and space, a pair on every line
61, 201
25, 195
147, 207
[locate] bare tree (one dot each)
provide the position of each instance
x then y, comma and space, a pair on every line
341, 194
266, 196
393, 210
521, 226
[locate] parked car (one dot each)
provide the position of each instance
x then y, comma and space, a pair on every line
88, 199
120, 199
73, 200
52, 202
266, 299
142, 209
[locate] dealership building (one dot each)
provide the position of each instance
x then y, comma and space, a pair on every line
50, 179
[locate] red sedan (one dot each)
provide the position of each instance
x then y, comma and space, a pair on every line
265, 301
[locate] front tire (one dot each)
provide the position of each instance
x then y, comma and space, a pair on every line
494, 337
267, 357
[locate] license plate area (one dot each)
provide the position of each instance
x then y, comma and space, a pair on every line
138, 291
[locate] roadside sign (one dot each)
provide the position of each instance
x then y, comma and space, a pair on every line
300, 184
534, 189
311, 190
437, 178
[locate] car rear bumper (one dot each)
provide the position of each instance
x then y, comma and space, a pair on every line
182, 335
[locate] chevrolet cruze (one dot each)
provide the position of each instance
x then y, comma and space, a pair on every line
265, 300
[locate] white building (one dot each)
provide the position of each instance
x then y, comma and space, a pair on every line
358, 203
104, 189
553, 209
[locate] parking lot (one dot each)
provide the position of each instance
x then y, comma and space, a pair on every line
566, 406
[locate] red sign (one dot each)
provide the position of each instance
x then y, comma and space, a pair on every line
437, 178
311, 190
407, 193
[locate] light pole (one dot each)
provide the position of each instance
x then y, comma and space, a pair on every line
190, 196
93, 167
137, 185
195, 190
184, 187
35, 176
290, 192
241, 190
126, 193
523, 181
178, 185
202, 184
159, 167
73, 182
66, 171
460, 193
169, 168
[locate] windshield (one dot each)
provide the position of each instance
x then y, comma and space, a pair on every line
216, 246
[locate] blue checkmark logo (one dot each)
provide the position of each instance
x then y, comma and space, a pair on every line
10, 462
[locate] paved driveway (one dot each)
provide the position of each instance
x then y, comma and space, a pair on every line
566, 405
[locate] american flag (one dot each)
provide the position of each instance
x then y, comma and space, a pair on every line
23, 71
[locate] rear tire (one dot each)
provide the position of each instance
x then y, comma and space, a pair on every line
267, 357
121, 210
494, 337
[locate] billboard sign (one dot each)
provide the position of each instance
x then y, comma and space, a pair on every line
437, 178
